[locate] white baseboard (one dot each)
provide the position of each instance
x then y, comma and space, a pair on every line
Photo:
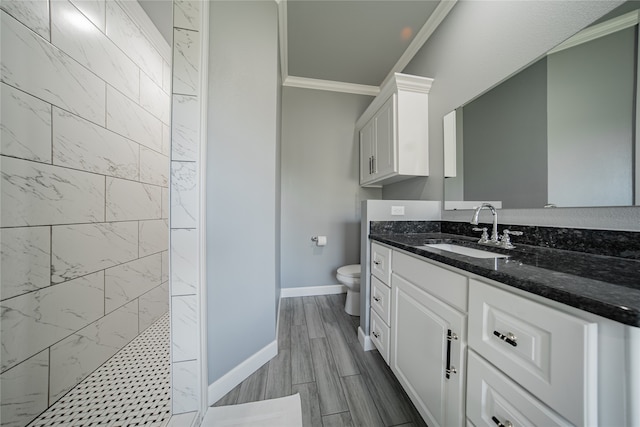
312, 290
241, 372
365, 340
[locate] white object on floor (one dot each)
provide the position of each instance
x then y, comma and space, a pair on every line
349, 275
282, 412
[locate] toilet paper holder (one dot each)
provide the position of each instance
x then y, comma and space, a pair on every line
319, 240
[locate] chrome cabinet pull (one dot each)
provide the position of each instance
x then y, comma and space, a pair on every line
509, 338
376, 299
507, 423
450, 369
377, 335
376, 262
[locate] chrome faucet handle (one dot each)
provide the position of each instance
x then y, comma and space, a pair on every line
485, 236
506, 240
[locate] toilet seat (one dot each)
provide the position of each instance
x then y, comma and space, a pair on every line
349, 274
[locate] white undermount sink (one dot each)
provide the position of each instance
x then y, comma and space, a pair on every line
463, 250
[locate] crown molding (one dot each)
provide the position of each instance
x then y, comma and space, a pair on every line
603, 29
149, 30
398, 82
332, 86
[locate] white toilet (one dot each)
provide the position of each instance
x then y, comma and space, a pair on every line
349, 275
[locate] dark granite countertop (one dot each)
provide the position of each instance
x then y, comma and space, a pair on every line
604, 285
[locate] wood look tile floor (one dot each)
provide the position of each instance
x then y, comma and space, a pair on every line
319, 356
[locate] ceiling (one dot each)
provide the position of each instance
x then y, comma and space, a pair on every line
354, 43
351, 41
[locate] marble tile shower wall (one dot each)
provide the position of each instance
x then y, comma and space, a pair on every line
185, 208
85, 140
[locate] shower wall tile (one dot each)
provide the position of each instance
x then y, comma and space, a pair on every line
74, 34
32, 13
165, 203
185, 130
127, 282
40, 194
154, 167
154, 99
153, 236
153, 305
87, 248
47, 316
166, 140
25, 260
24, 391
129, 119
74, 88
184, 195
165, 266
184, 328
184, 261
166, 77
25, 125
124, 33
184, 386
186, 14
186, 54
94, 10
75, 357
130, 200
80, 144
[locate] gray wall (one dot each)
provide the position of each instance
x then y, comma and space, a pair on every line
320, 190
506, 136
241, 182
591, 120
466, 56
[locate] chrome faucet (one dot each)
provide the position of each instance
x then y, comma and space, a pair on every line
474, 221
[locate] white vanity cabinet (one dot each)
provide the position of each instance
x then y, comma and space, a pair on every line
428, 337
393, 131
469, 350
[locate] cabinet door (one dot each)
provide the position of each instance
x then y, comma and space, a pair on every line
367, 152
385, 140
428, 344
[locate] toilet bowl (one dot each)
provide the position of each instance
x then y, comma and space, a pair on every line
349, 275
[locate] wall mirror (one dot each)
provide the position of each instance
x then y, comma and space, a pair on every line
559, 133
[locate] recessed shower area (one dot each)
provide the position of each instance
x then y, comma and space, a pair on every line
84, 156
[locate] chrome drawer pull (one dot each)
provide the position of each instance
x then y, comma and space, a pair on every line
509, 338
377, 335
377, 262
376, 299
506, 423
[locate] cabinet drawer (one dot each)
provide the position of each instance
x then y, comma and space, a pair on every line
450, 287
490, 394
380, 335
381, 263
550, 353
381, 299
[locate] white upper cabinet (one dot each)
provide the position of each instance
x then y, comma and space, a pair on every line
394, 132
